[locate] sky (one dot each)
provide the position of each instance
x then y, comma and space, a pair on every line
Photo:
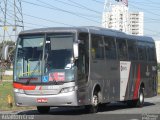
59, 13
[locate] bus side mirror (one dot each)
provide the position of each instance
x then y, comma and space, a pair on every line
75, 50
5, 52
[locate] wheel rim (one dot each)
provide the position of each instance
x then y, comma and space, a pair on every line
95, 100
141, 97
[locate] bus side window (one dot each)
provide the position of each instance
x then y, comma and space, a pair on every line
151, 54
142, 51
132, 50
97, 50
110, 48
122, 49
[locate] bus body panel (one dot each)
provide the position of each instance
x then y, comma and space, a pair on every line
30, 97
63, 99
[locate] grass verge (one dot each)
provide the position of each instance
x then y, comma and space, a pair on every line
7, 77
5, 90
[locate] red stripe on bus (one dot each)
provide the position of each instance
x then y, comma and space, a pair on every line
24, 87
135, 94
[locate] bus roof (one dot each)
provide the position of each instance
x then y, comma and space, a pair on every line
91, 29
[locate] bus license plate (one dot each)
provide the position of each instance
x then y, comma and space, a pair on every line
42, 100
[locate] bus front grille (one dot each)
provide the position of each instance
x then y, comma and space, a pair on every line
42, 92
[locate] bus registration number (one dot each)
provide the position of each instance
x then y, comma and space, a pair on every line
42, 100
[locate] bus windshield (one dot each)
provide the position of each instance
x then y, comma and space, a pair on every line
40, 57
29, 56
59, 52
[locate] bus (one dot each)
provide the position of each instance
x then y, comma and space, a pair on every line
83, 67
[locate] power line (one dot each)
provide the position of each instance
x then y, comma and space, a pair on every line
52, 21
24, 22
98, 1
147, 2
66, 3
152, 2
145, 10
150, 6
16, 19
78, 6
84, 7
59, 9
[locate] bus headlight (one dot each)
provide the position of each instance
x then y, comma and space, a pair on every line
18, 90
69, 89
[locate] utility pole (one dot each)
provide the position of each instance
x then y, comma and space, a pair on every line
5, 16
11, 20
11, 23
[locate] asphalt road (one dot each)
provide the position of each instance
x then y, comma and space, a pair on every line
113, 111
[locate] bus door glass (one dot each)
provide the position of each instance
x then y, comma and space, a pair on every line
83, 59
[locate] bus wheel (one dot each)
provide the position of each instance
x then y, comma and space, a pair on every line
140, 100
95, 101
43, 109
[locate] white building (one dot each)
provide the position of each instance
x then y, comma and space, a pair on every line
158, 50
117, 18
120, 19
136, 23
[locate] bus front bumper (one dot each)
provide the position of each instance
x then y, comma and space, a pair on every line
62, 99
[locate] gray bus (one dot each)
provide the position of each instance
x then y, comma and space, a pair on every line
83, 66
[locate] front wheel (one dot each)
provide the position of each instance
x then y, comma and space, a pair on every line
94, 107
43, 109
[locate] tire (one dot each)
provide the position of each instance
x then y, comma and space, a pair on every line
94, 107
139, 102
132, 103
43, 109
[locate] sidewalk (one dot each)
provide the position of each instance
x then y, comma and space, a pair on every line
155, 99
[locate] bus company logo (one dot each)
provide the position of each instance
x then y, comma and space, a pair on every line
123, 68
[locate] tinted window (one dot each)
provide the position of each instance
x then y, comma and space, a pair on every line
122, 49
97, 47
151, 54
83, 61
59, 51
142, 51
132, 50
110, 48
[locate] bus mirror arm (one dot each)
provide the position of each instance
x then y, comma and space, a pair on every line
5, 52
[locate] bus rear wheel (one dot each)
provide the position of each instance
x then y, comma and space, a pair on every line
139, 102
43, 109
